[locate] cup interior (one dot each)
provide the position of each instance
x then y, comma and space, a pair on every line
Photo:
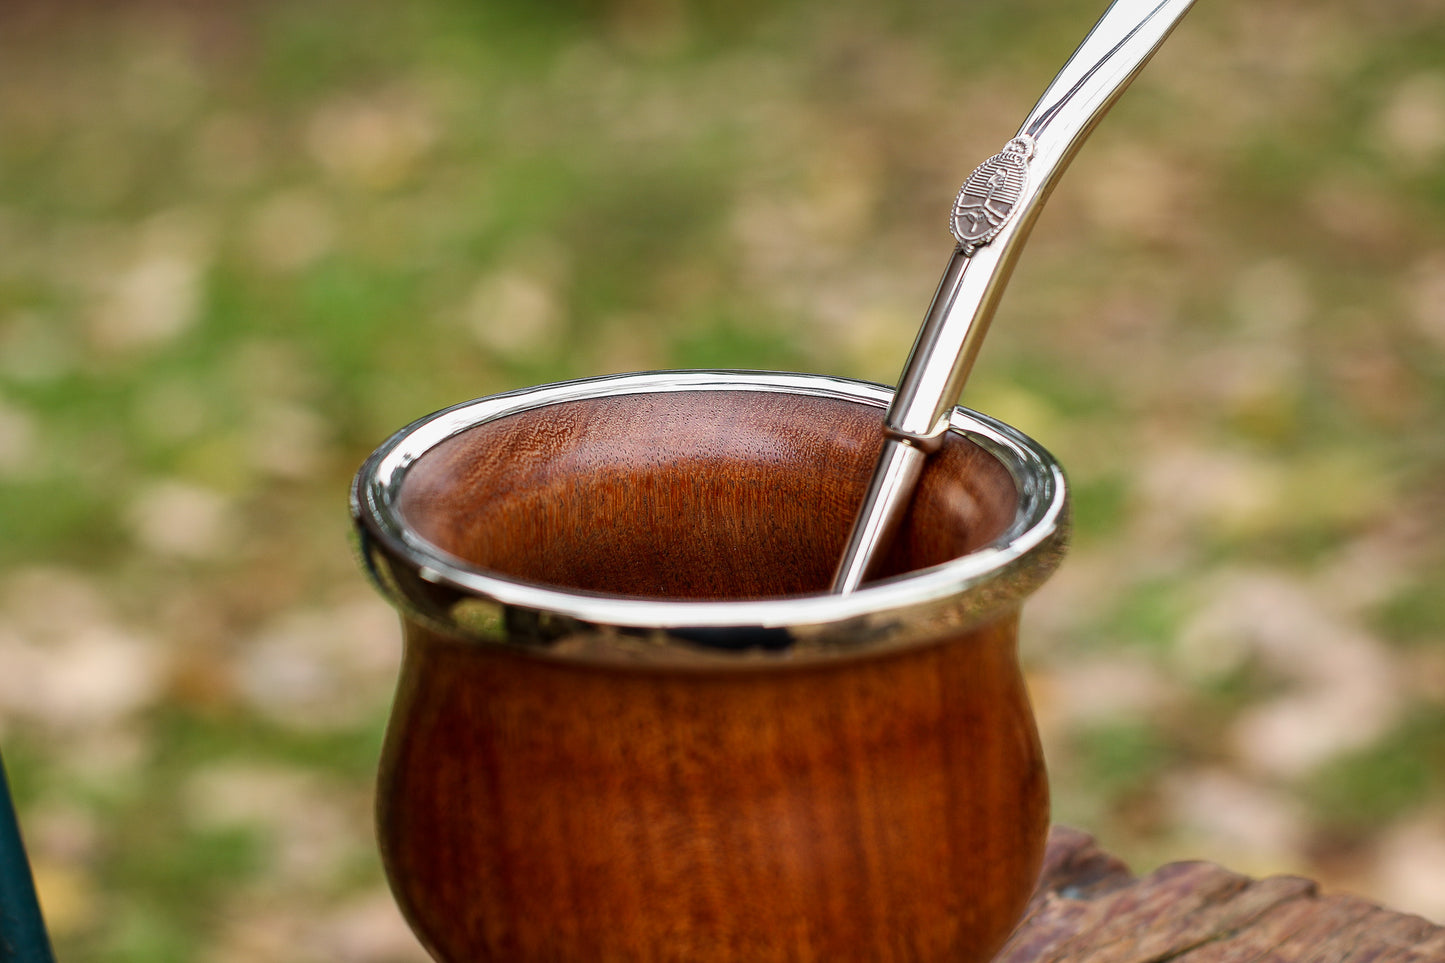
718, 495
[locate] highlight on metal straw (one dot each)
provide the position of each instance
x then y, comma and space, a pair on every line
992, 217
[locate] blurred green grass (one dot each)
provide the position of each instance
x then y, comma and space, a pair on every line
242, 243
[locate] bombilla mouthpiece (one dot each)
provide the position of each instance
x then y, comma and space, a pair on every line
998, 204
992, 216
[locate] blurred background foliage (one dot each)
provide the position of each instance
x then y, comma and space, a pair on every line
241, 243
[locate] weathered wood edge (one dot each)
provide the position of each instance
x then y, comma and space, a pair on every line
1090, 909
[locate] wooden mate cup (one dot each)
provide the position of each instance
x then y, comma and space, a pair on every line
631, 723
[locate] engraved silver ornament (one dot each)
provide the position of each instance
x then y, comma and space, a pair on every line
991, 194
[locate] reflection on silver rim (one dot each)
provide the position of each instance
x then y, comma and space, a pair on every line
458, 598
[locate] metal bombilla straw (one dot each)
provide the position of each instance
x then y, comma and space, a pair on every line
992, 217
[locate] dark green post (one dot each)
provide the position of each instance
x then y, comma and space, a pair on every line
22, 930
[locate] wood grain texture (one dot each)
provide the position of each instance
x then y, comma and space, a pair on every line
726, 494
880, 810
890, 808
1089, 909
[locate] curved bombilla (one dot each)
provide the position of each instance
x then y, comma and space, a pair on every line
992, 217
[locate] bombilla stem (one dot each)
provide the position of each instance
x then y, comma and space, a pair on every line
992, 217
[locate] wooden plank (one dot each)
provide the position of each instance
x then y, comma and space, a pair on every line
1089, 909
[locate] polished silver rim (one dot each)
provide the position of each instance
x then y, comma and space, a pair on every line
449, 593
